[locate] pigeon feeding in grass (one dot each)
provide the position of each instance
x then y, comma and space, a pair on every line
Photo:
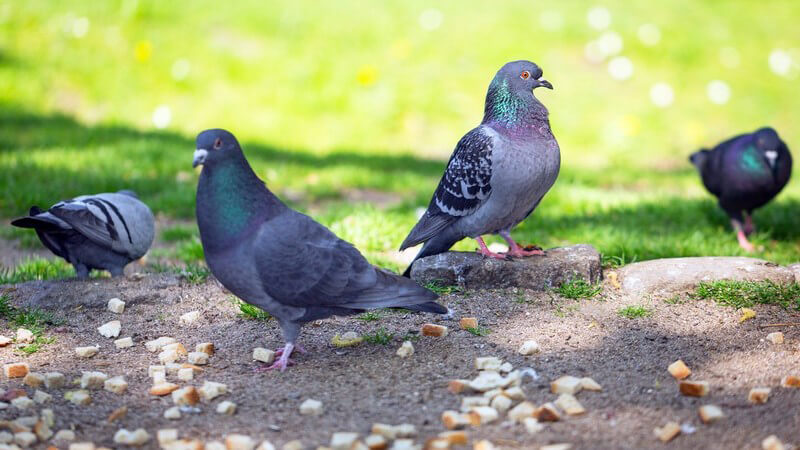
744, 173
103, 231
499, 171
280, 260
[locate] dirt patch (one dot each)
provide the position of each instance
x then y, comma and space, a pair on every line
368, 383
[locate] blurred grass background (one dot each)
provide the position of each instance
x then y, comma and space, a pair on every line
349, 110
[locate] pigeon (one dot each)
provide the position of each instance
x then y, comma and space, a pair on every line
280, 260
744, 173
102, 231
498, 172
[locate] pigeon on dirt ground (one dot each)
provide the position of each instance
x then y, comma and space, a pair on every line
280, 260
102, 231
499, 171
744, 173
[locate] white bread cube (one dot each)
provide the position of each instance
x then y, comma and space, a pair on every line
239, 442
758, 395
177, 346
226, 407
405, 430
42, 431
173, 368
156, 345
205, 347
22, 402
110, 329
437, 444
506, 367
483, 445
343, 440
187, 396
267, 445
166, 436
54, 380
80, 397
556, 447
528, 348
87, 352
570, 404
501, 403
481, 415
264, 355
566, 384
64, 436
547, 413
185, 374
153, 369
790, 381
168, 356
667, 432
468, 322
93, 380
82, 446
25, 336
405, 350
694, 388
457, 437
710, 413
679, 370
430, 329
515, 393
588, 384
199, 358
41, 397
117, 385
387, 431
173, 413
488, 363
488, 380
135, 438
190, 317
125, 342
468, 402
216, 445
33, 379
454, 420
521, 411
458, 386
775, 338
6, 437
772, 442
116, 305
532, 426
211, 390
311, 407
5, 340
25, 439
48, 417
16, 370
376, 442
159, 378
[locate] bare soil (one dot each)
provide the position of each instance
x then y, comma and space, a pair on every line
369, 383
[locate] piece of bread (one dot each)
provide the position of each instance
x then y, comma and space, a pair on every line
667, 432
430, 329
694, 388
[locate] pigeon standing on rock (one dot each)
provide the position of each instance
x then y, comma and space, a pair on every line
280, 260
744, 173
499, 171
103, 231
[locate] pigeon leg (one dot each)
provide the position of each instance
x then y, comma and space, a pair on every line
515, 250
283, 362
297, 347
741, 236
484, 250
116, 271
749, 226
81, 271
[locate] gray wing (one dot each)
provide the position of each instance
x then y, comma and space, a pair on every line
462, 189
303, 264
118, 222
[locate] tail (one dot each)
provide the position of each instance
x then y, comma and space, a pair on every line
393, 291
439, 244
40, 220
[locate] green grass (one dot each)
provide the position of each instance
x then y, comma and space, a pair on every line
578, 288
370, 316
745, 294
379, 336
479, 330
249, 311
356, 117
35, 320
37, 269
634, 312
440, 288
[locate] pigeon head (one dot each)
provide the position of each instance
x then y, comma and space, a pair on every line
521, 77
510, 97
699, 158
768, 142
215, 145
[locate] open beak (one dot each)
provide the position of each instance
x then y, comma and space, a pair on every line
199, 157
543, 83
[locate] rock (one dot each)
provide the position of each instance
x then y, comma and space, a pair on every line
539, 273
680, 274
795, 268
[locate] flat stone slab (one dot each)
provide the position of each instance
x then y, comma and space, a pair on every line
472, 270
795, 268
680, 274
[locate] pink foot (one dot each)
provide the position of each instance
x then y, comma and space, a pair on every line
297, 348
749, 226
283, 361
519, 252
484, 250
744, 243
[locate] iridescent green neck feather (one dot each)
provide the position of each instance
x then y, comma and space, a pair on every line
752, 162
510, 108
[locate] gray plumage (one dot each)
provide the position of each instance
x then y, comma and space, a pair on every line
499, 171
102, 231
281, 260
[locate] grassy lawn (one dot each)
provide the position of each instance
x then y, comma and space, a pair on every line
349, 110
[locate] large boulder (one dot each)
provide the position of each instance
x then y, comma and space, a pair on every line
795, 268
473, 270
680, 274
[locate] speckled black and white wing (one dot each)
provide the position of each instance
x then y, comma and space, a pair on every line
464, 186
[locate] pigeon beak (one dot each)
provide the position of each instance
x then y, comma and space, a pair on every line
199, 157
545, 83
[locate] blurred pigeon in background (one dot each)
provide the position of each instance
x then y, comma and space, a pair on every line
280, 260
499, 171
103, 231
745, 172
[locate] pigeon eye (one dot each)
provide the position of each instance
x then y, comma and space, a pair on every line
525, 75
218, 144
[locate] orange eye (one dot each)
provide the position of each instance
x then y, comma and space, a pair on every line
218, 144
525, 75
